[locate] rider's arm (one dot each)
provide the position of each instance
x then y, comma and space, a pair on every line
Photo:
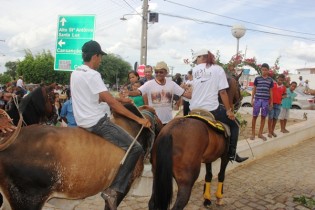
105, 96
225, 100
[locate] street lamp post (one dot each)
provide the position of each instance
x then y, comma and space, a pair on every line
238, 31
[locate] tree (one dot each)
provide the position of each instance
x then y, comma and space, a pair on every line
40, 68
4, 79
11, 69
113, 66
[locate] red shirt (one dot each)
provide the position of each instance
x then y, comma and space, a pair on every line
277, 92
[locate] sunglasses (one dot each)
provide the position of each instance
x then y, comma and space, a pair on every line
159, 72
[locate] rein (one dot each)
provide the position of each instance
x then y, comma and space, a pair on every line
16, 103
134, 140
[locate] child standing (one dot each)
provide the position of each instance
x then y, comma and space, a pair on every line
286, 106
261, 100
278, 92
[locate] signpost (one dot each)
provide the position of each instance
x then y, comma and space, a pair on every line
73, 32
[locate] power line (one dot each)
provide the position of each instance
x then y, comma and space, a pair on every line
239, 19
132, 7
225, 25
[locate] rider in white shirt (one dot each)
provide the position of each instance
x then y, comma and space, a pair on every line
209, 80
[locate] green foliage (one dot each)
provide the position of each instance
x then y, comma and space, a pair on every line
243, 123
5, 78
113, 66
245, 93
11, 69
305, 201
40, 68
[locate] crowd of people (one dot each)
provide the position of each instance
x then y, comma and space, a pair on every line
88, 101
272, 99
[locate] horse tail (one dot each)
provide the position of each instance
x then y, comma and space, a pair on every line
163, 179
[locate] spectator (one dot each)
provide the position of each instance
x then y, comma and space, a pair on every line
262, 99
147, 74
137, 100
187, 86
66, 113
20, 83
301, 83
178, 80
57, 105
160, 92
278, 92
286, 106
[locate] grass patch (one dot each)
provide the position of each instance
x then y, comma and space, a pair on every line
305, 201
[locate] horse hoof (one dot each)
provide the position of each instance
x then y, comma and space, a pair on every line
219, 202
207, 203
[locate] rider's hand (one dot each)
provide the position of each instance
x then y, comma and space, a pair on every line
230, 115
9, 128
145, 122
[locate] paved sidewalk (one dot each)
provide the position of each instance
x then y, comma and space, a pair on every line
267, 183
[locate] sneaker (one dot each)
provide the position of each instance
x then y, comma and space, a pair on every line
110, 197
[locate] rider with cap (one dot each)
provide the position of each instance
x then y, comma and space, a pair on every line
90, 100
209, 79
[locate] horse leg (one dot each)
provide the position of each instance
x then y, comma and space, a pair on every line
185, 180
221, 176
207, 186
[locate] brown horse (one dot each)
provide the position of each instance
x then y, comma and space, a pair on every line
47, 162
180, 148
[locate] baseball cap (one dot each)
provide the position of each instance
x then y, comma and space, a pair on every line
199, 53
92, 47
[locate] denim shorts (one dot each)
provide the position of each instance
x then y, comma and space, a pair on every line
262, 104
275, 111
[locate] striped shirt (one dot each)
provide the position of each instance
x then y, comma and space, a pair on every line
263, 86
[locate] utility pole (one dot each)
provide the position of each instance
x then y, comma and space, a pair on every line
144, 33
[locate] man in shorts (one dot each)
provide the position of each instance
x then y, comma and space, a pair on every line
262, 100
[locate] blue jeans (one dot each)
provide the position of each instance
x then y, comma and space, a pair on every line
220, 115
118, 136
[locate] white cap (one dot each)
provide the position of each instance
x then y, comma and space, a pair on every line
199, 53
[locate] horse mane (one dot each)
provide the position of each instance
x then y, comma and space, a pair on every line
36, 98
146, 138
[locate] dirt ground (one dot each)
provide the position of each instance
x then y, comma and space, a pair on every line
246, 130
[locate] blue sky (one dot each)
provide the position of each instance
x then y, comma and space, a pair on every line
26, 26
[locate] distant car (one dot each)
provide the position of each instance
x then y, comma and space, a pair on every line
302, 100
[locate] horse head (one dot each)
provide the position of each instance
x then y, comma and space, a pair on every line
50, 110
147, 135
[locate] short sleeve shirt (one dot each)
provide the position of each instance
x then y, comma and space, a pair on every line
160, 97
263, 86
207, 82
86, 84
277, 92
287, 102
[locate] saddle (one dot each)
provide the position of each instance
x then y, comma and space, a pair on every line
5, 122
208, 118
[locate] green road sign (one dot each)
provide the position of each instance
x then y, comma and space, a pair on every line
73, 32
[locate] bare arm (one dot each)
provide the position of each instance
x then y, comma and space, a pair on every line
105, 96
253, 95
225, 100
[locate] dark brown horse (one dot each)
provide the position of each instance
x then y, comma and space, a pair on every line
47, 162
36, 107
180, 148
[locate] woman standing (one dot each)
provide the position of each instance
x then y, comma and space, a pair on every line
209, 79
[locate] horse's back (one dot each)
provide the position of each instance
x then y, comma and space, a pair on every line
72, 161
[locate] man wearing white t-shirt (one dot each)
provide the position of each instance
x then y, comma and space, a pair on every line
160, 91
209, 80
90, 98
